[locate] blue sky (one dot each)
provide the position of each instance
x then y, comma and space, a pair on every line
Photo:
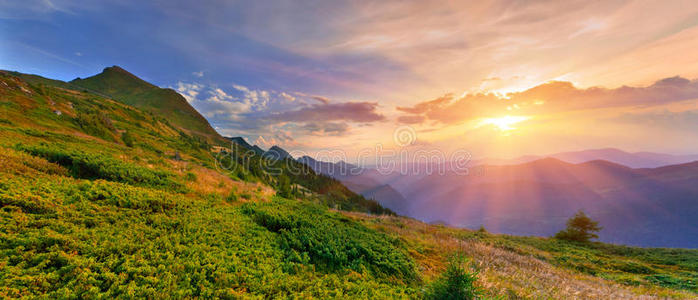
162, 43
316, 74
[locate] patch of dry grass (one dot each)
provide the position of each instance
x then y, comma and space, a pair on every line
503, 272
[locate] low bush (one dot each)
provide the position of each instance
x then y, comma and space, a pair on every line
127, 138
64, 238
456, 283
189, 176
96, 124
312, 234
95, 166
43, 195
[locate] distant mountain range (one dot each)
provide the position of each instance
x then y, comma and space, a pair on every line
361, 181
646, 206
633, 160
277, 152
637, 206
274, 152
241, 141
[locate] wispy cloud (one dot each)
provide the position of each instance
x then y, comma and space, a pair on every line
33, 9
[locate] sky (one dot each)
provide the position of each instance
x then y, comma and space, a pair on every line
494, 78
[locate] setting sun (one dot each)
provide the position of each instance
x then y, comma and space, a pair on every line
503, 123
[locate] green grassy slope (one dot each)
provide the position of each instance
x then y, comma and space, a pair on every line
125, 87
108, 201
152, 131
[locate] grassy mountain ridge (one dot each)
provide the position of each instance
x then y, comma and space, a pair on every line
123, 86
105, 200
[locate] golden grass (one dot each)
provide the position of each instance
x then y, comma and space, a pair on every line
212, 182
505, 273
20, 163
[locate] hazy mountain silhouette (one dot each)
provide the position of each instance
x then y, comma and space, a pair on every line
633, 160
648, 207
360, 180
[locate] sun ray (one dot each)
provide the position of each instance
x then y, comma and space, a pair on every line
503, 123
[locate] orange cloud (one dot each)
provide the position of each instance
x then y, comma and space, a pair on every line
550, 97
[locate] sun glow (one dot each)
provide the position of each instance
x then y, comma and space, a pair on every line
503, 123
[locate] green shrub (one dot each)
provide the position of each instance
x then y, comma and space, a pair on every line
456, 283
190, 176
84, 239
95, 166
232, 197
95, 124
672, 281
121, 195
127, 138
632, 267
311, 234
6, 121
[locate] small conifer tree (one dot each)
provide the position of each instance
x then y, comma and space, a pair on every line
580, 228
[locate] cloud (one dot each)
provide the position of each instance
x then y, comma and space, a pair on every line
34, 9
274, 117
321, 99
555, 96
198, 74
427, 105
213, 102
564, 94
279, 138
287, 96
264, 143
411, 119
326, 128
363, 112
258, 97
188, 90
665, 119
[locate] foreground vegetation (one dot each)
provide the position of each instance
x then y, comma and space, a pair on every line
107, 201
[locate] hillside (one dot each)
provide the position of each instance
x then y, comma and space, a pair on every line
120, 85
101, 199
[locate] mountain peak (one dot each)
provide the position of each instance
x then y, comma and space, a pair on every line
115, 68
277, 152
242, 142
123, 86
547, 161
113, 81
603, 163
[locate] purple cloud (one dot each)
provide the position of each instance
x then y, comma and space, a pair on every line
360, 112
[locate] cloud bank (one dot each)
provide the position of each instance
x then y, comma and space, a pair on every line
272, 117
555, 96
